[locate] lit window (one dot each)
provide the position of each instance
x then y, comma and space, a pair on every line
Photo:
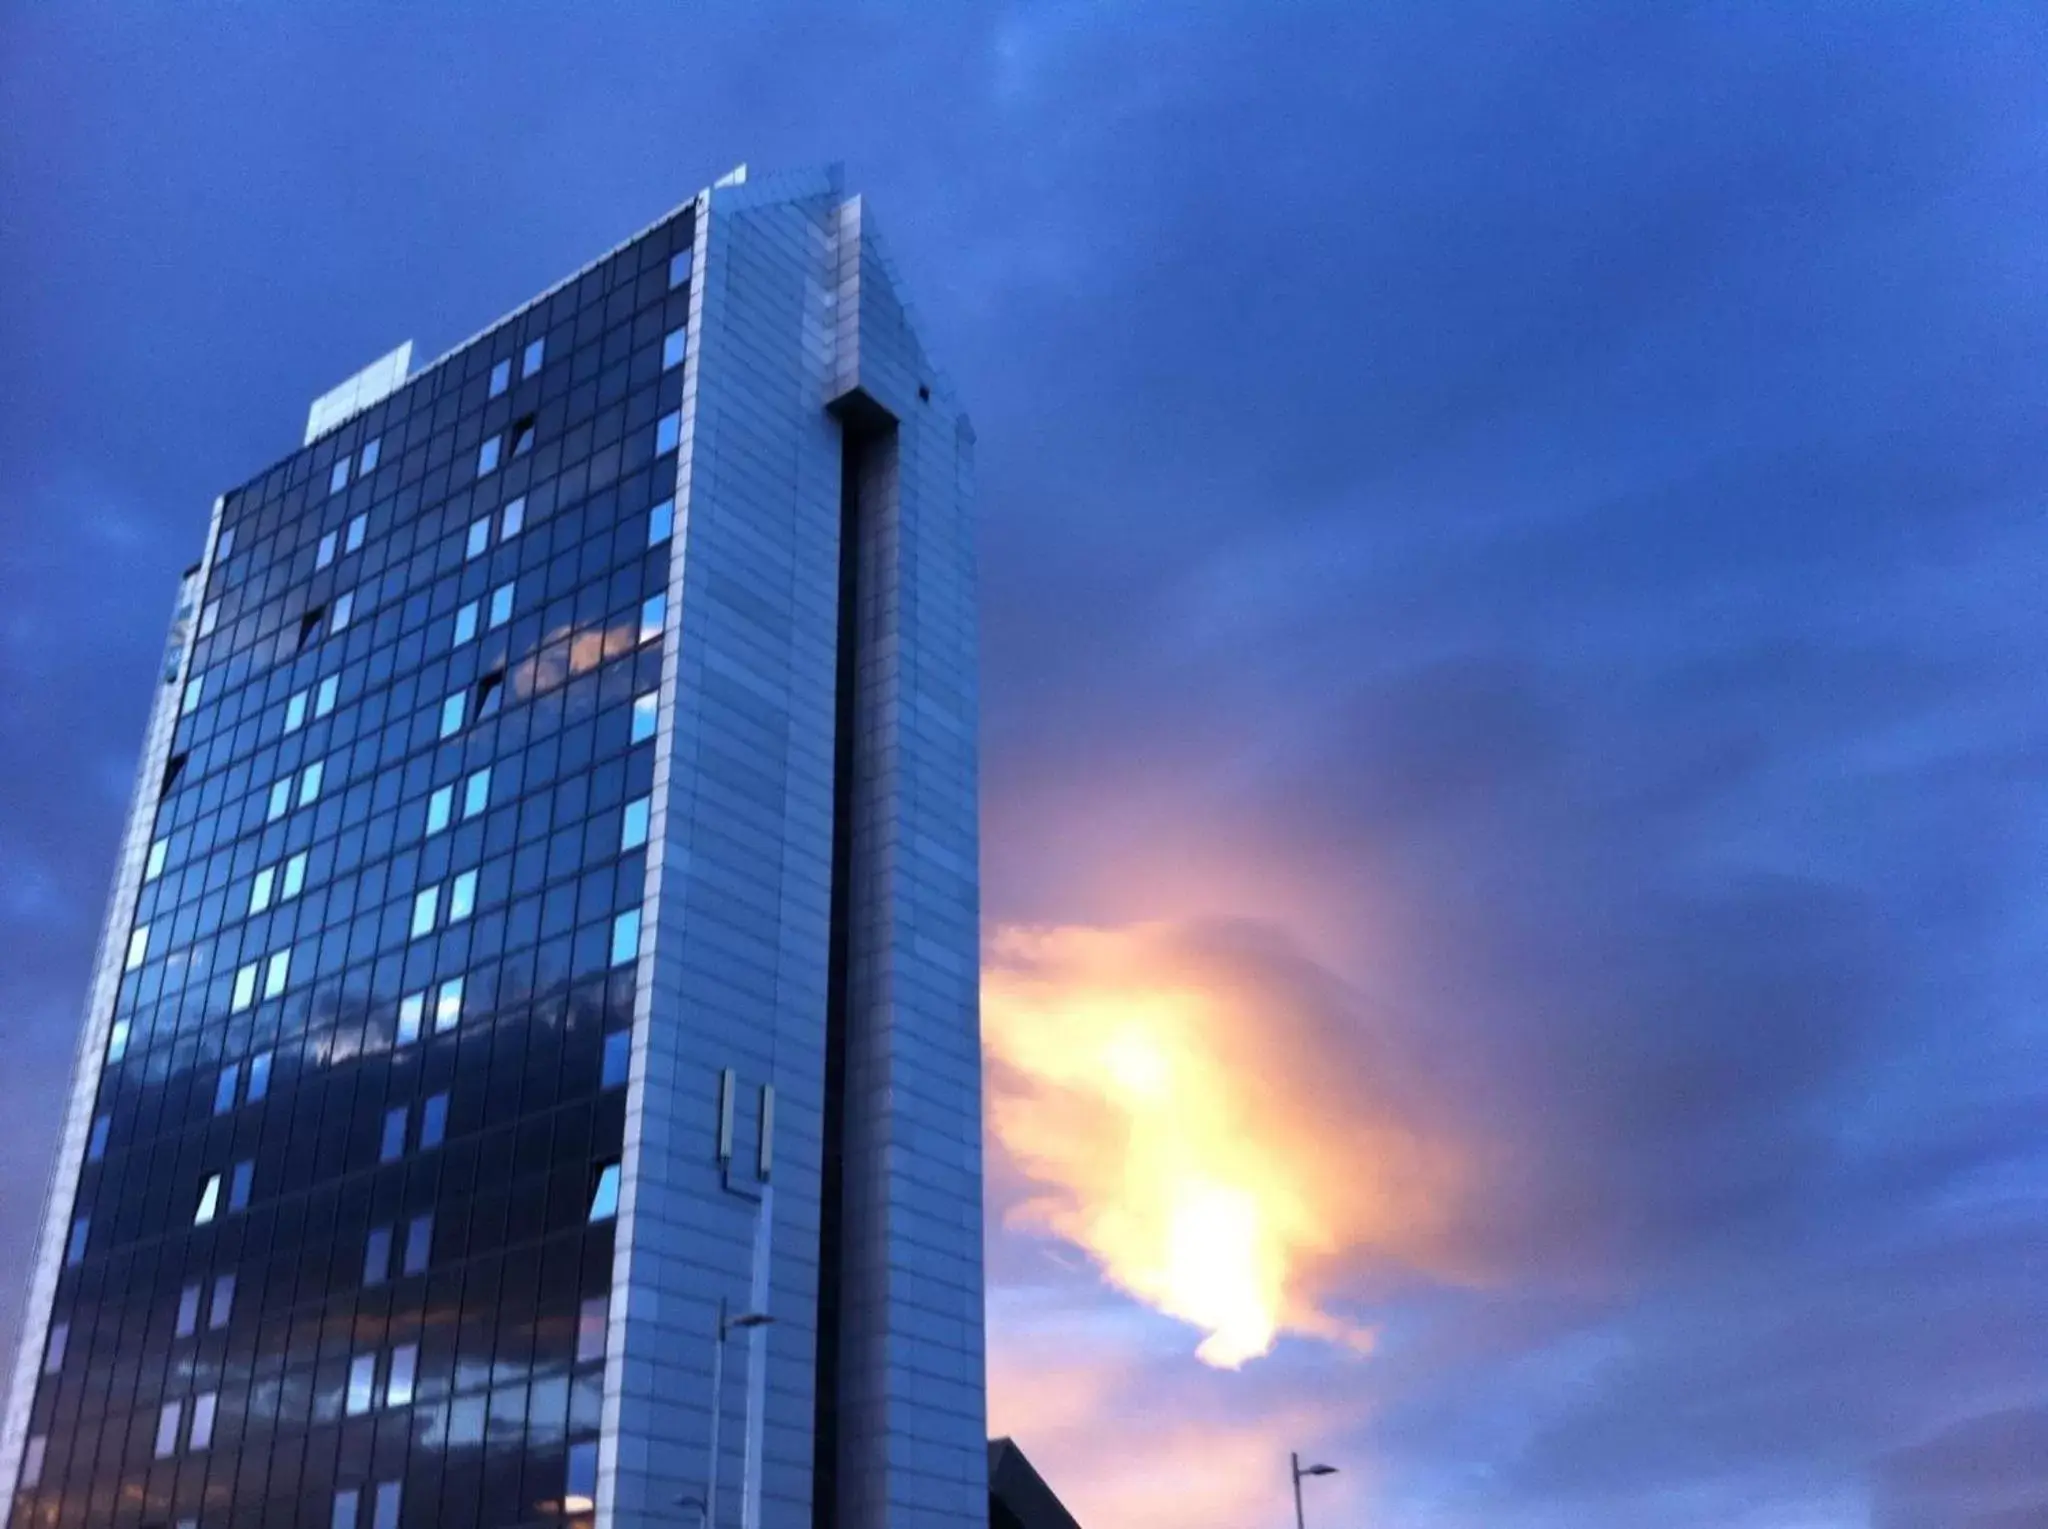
337, 480
487, 456
344, 611
323, 698
672, 349
476, 793
465, 623
138, 948
448, 1005
239, 1184
222, 1306
261, 888
277, 973
522, 437
501, 605
74, 1246
479, 538
668, 431
188, 1311
451, 713
226, 1087
344, 1515
209, 1200
362, 1383
433, 1121
358, 528
117, 1041
372, 449
202, 1419
295, 711
259, 1077
579, 1492
245, 989
32, 1460
193, 691
426, 907
678, 268
501, 378
462, 897
309, 783
661, 522
392, 1145
96, 1143
209, 617
153, 867
618, 1058
294, 876
384, 1512
412, 1008
626, 936
280, 800
440, 806
633, 831
405, 1363
377, 1256
653, 611
324, 553
167, 1418
53, 1351
644, 707
590, 1321
536, 351
513, 521
419, 1243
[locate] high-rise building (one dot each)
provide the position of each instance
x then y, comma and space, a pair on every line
531, 1075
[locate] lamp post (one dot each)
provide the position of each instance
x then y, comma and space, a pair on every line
1299, 1470
726, 1325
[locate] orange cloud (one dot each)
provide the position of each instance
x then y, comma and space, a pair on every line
1205, 1114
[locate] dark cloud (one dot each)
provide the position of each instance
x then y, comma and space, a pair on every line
1543, 504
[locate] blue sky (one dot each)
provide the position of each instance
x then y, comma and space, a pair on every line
1513, 553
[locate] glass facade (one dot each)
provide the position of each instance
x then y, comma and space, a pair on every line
341, 1247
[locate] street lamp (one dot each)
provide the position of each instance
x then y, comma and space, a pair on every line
726, 1325
1300, 1470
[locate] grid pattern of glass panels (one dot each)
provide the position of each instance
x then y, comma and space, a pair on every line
341, 1248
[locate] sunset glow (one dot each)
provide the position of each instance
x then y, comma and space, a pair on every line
1161, 1105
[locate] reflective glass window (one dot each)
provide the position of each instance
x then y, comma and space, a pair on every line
633, 825
626, 936
604, 1199
167, 1418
